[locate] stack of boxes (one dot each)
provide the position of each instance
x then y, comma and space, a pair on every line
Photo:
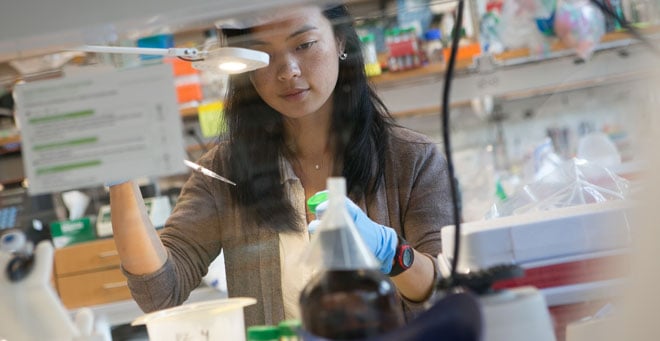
576, 256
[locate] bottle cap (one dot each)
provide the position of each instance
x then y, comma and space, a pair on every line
337, 244
433, 34
263, 333
316, 199
289, 327
368, 38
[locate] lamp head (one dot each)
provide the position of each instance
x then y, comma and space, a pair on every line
231, 60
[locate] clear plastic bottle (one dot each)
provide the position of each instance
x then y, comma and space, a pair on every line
433, 45
405, 45
371, 64
393, 64
415, 50
348, 298
447, 26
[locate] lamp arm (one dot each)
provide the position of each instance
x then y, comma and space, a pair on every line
186, 52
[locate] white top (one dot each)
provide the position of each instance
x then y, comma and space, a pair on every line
295, 272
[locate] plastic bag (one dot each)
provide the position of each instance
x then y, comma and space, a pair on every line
573, 182
580, 25
517, 26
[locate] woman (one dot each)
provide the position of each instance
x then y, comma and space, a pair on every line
308, 115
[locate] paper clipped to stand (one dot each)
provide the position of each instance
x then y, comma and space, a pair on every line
85, 130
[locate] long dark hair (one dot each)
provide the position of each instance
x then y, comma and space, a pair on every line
359, 128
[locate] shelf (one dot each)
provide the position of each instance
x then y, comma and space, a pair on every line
10, 140
387, 79
517, 74
189, 112
433, 72
558, 46
10, 144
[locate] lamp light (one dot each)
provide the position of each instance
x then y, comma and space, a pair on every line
230, 60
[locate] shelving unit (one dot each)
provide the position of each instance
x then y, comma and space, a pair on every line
517, 74
523, 63
514, 74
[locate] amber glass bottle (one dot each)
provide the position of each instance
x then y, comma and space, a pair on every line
348, 298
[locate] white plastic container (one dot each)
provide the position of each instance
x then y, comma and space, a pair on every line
211, 320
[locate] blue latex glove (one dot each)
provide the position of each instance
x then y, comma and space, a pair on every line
380, 239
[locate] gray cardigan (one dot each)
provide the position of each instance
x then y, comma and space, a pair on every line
414, 199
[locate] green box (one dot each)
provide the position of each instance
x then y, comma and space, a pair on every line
70, 232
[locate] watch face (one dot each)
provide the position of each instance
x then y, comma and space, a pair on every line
407, 257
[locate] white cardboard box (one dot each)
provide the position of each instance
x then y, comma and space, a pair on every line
541, 235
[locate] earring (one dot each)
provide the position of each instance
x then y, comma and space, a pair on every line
343, 55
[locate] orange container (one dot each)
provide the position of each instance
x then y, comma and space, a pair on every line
189, 92
181, 67
464, 52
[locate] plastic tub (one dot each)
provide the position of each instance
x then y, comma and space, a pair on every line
209, 320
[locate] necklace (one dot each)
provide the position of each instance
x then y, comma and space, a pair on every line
316, 165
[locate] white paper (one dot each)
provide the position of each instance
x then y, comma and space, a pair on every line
86, 130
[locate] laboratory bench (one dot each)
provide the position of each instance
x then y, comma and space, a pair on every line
126, 310
87, 275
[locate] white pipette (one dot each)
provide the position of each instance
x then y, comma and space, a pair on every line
207, 172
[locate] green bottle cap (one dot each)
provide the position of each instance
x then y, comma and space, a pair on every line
289, 327
499, 191
316, 199
263, 333
368, 38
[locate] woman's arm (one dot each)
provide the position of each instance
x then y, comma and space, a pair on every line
428, 209
416, 283
139, 247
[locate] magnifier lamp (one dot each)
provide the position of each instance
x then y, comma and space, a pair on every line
230, 60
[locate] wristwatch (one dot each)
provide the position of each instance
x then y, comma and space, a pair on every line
403, 259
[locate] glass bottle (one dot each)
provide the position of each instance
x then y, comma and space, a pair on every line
348, 298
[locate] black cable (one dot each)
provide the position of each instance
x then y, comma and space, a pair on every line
626, 25
449, 74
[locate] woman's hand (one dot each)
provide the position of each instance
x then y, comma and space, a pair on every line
380, 239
